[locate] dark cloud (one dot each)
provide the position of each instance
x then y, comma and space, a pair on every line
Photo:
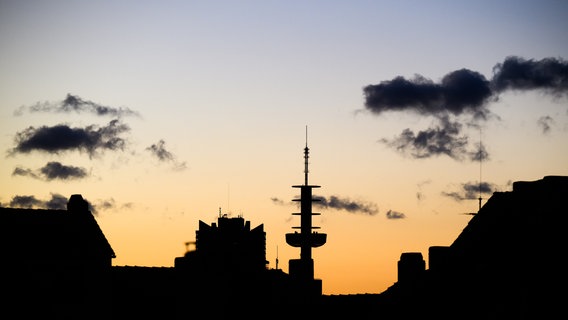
464, 91
61, 138
159, 151
545, 123
460, 92
59, 202
516, 73
51, 171
73, 103
472, 191
26, 202
335, 202
56, 170
444, 139
395, 215
56, 202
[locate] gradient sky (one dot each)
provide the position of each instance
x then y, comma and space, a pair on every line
163, 113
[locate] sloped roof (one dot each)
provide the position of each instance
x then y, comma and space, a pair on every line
30, 234
525, 222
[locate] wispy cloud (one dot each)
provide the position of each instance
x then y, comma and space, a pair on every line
337, 203
443, 139
545, 123
352, 206
159, 151
73, 103
471, 191
52, 171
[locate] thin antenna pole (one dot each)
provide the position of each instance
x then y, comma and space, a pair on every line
276, 257
480, 160
306, 156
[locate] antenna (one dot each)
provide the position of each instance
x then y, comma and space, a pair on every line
480, 161
276, 257
306, 156
480, 155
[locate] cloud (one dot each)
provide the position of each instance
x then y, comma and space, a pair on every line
159, 151
395, 215
419, 193
335, 202
277, 201
56, 202
472, 191
545, 123
339, 203
19, 171
52, 171
59, 202
24, 202
515, 73
444, 139
461, 93
73, 103
464, 91
61, 138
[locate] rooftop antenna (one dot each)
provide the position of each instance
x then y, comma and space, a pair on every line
480, 160
480, 155
276, 257
306, 156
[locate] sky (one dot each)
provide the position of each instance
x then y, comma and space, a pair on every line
162, 114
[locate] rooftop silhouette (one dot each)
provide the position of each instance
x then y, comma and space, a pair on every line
506, 263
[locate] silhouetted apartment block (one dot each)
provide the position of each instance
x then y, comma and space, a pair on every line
228, 245
55, 259
228, 267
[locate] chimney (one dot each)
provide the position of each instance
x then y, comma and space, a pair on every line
77, 204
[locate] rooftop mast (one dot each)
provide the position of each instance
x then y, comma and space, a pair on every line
306, 156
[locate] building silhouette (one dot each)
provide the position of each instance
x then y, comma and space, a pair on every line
507, 263
55, 263
230, 245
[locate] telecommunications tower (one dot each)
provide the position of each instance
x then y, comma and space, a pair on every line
302, 270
